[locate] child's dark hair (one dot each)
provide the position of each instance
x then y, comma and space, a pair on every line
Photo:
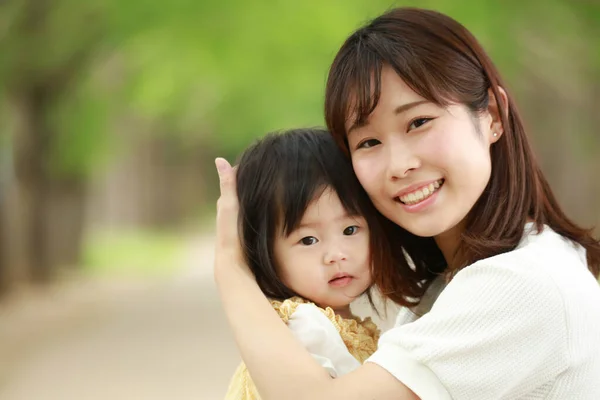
277, 179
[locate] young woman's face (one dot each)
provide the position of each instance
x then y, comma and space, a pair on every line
327, 259
423, 166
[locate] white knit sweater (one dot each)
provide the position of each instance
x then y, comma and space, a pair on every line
521, 325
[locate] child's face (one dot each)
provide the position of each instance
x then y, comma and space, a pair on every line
326, 260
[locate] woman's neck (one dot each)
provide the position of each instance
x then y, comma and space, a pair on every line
449, 241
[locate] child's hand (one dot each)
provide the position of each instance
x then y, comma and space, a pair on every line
228, 249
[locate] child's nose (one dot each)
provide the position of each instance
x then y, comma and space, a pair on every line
335, 256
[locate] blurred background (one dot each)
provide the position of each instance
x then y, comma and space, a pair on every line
111, 114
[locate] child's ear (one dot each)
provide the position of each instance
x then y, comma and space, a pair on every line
495, 129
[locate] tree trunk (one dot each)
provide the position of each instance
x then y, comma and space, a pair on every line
4, 271
65, 222
13, 265
31, 139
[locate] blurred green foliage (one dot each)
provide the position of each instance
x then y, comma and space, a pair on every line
221, 73
133, 253
173, 84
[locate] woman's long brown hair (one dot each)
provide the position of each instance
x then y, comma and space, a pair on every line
443, 62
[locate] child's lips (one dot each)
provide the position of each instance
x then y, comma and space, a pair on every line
341, 280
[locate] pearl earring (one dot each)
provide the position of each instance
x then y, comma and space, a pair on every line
495, 134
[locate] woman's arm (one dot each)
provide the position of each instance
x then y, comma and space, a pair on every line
279, 365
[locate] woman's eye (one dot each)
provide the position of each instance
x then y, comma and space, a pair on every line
308, 240
351, 230
419, 122
368, 144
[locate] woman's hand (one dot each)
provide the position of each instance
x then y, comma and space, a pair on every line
261, 335
228, 251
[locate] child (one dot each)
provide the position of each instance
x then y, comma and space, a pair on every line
304, 223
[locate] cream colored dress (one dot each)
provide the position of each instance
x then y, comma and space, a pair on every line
339, 344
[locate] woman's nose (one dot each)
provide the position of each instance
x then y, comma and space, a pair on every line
400, 160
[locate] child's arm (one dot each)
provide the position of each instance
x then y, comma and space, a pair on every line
322, 340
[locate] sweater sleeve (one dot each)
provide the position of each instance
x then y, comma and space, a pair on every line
495, 332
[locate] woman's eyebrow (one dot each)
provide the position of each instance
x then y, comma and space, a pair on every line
398, 110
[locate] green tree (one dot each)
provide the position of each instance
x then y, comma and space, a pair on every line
47, 48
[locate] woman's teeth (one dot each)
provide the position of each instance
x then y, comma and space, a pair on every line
419, 195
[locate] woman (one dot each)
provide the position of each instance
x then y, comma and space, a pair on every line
501, 285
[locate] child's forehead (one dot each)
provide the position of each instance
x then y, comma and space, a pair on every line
325, 200
319, 206
325, 208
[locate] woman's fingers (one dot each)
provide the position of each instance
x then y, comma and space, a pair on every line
227, 206
228, 200
226, 177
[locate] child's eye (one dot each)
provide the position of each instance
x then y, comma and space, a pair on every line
419, 122
351, 230
367, 144
308, 240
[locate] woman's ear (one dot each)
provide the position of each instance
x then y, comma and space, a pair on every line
496, 129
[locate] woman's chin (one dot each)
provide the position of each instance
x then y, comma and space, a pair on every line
423, 227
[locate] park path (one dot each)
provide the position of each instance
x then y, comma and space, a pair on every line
120, 339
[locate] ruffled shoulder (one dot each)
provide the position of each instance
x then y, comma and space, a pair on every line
286, 308
359, 335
